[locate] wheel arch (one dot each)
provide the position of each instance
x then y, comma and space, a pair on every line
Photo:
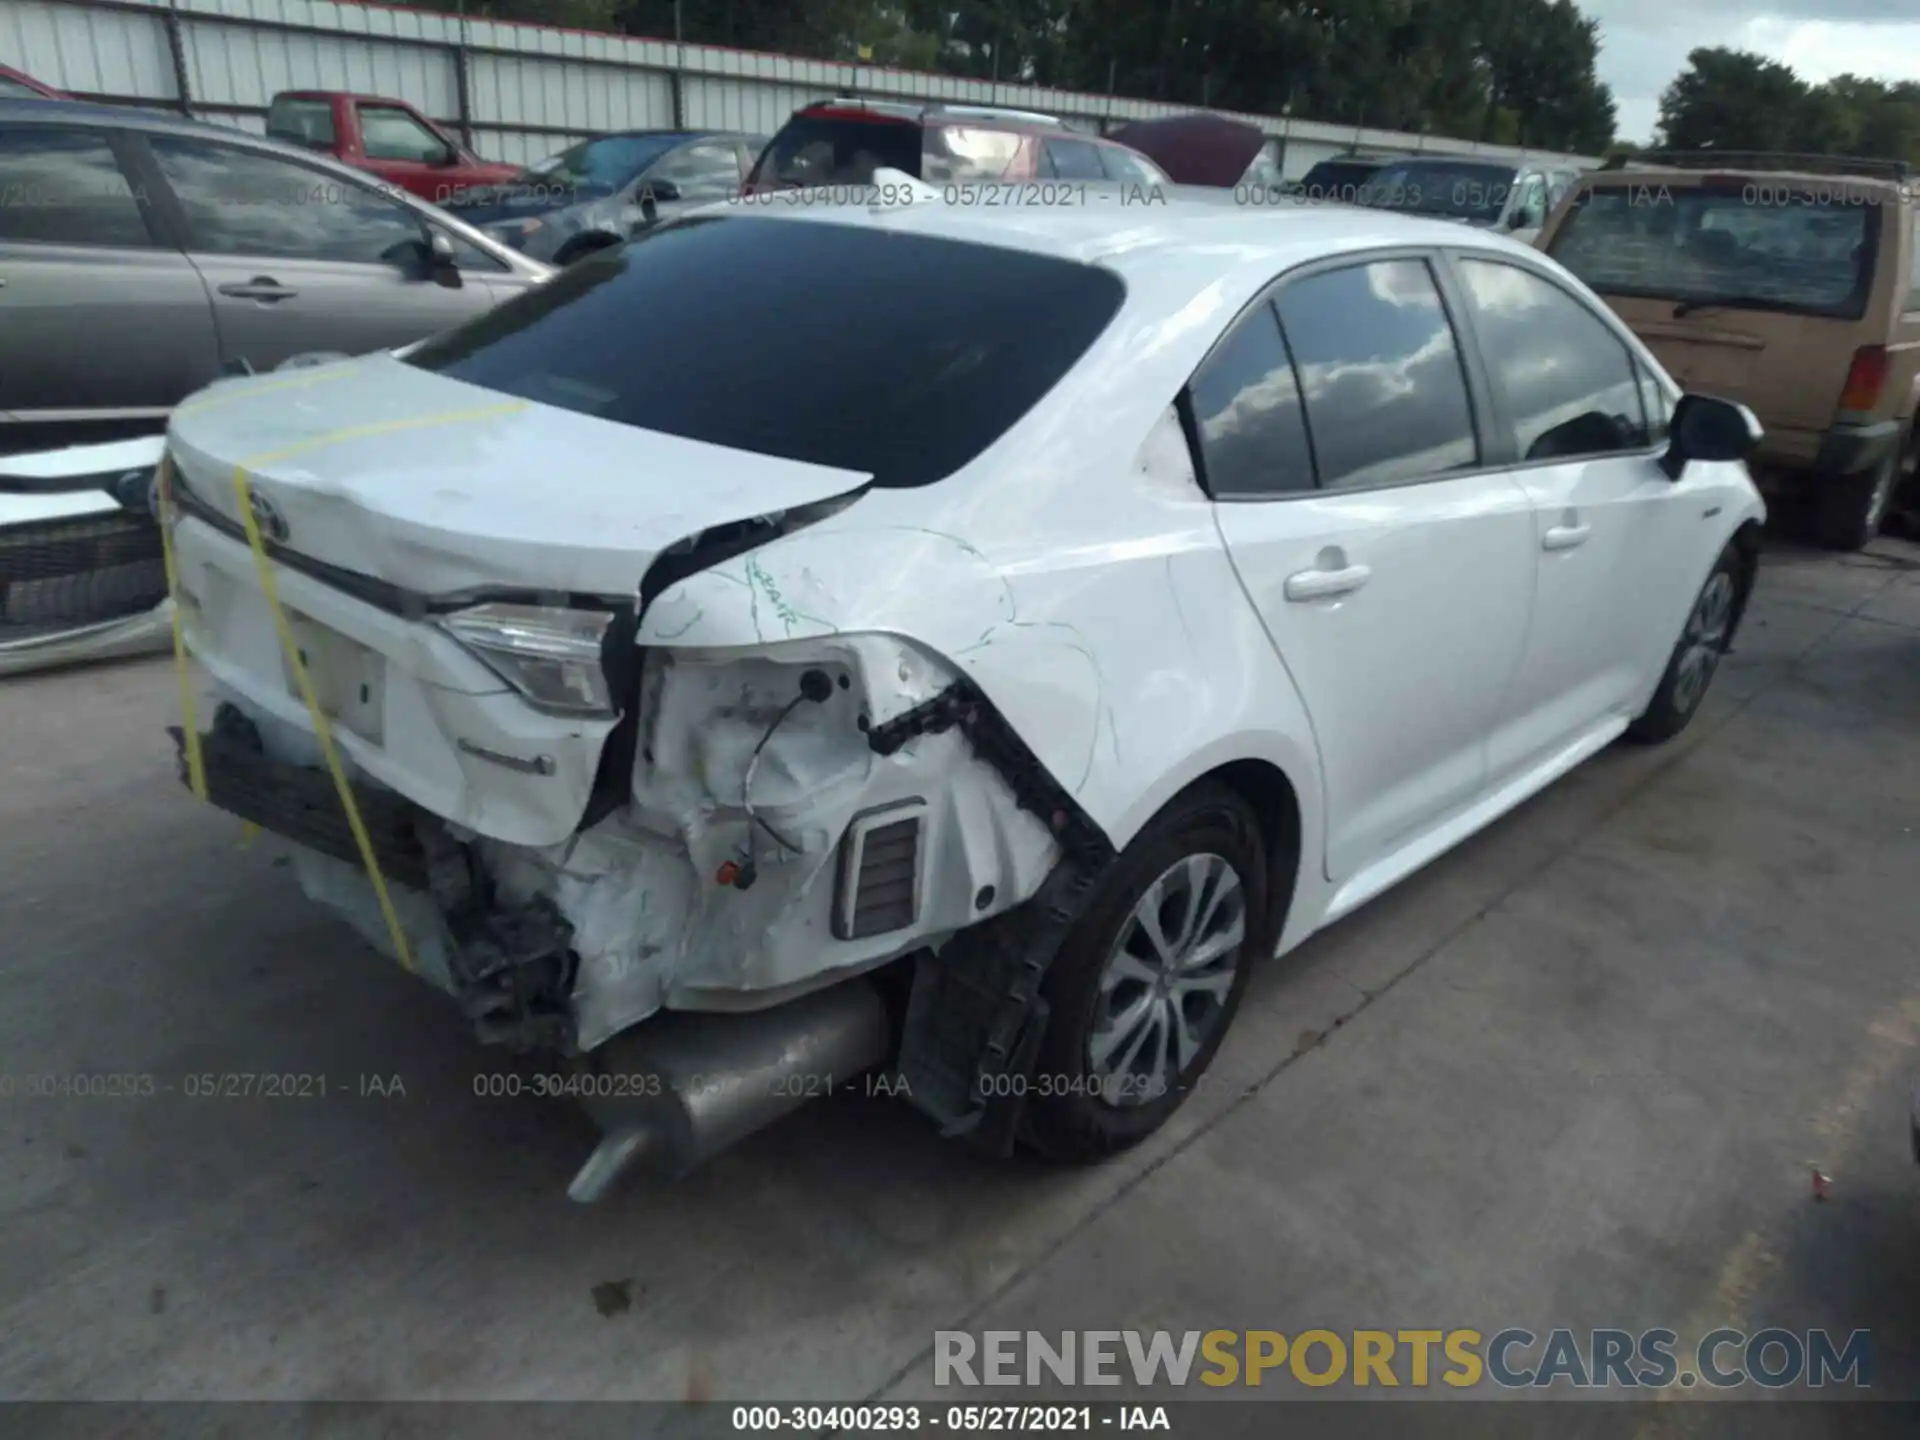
1276, 808
1746, 543
1285, 804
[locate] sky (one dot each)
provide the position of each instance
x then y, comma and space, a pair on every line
1644, 43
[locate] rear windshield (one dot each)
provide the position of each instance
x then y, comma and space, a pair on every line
1720, 246
837, 149
1461, 191
898, 356
1336, 180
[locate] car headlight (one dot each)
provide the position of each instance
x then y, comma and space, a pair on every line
551, 656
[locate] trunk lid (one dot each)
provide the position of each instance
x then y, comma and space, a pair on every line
438, 486
1195, 149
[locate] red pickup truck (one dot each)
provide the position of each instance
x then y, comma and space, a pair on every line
387, 137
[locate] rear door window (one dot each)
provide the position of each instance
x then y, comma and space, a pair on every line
1805, 252
837, 148
64, 187
1386, 397
1245, 404
954, 341
1073, 160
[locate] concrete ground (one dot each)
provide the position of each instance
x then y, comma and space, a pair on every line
1574, 1074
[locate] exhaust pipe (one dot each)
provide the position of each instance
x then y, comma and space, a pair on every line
682, 1087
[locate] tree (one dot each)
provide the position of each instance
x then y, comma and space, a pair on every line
1733, 100
1519, 71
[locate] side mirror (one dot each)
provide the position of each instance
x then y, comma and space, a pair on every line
1709, 429
442, 267
446, 159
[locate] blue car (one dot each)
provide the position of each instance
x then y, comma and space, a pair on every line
604, 190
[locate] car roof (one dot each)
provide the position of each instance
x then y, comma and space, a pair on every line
979, 117
82, 112
1431, 157
1675, 176
661, 134
354, 95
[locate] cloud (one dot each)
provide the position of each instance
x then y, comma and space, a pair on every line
1644, 43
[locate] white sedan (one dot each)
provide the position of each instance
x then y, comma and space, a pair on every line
80, 567
954, 639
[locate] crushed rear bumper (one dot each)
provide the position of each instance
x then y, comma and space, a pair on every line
510, 966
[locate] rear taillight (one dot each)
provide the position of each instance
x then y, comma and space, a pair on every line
1866, 378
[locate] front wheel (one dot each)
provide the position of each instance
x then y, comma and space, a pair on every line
1696, 655
1147, 982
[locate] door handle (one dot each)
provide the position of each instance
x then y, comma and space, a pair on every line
1565, 537
261, 287
1325, 584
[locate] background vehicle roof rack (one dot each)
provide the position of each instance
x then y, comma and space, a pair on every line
1761, 160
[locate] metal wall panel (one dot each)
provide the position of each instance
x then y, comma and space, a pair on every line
231, 65
757, 107
86, 51
531, 87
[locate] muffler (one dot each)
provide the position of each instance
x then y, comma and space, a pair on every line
681, 1087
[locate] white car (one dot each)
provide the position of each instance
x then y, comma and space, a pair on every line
81, 577
1004, 627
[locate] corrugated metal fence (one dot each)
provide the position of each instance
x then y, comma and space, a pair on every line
517, 92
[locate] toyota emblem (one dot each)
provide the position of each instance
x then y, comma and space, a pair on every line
267, 516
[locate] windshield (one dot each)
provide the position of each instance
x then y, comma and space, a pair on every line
599, 167
895, 355
837, 149
1712, 246
1460, 190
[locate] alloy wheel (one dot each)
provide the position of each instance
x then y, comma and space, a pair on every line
1164, 989
1703, 641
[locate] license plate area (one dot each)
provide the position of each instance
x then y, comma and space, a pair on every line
349, 680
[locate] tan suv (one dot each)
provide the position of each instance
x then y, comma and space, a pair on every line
1788, 283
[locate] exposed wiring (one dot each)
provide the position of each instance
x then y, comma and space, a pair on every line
753, 764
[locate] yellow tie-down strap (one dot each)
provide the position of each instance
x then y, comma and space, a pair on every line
322, 729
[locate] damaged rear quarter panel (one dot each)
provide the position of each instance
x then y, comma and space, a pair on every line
654, 922
1101, 618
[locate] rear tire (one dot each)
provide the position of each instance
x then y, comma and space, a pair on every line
1850, 509
1696, 655
1149, 979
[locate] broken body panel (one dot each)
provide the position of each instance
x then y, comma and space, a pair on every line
401, 496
